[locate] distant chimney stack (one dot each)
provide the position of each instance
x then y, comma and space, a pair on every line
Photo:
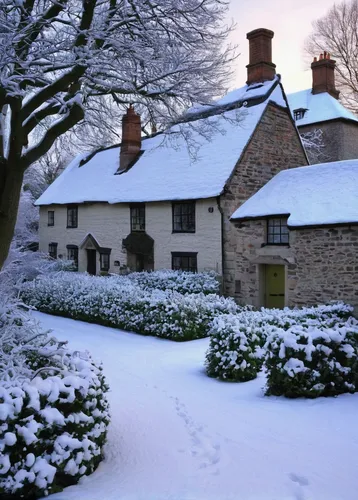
131, 138
260, 67
323, 75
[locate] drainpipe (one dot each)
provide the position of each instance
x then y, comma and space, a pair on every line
222, 243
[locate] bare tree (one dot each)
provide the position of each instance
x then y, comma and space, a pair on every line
61, 59
337, 33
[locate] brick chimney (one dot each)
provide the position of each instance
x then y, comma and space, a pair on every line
260, 67
323, 75
131, 138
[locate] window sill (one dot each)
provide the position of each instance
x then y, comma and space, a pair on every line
275, 245
50, 225
183, 232
71, 227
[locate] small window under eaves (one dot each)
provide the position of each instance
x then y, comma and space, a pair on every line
299, 113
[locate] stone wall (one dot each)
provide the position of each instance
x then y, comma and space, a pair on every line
340, 141
274, 146
321, 264
325, 265
110, 224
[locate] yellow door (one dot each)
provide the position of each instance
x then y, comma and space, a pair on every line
275, 286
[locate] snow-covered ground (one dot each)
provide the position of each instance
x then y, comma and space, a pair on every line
178, 435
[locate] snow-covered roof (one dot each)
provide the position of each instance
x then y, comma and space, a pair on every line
320, 107
166, 170
315, 195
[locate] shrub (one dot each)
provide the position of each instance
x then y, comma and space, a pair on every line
313, 361
238, 342
122, 304
234, 353
53, 409
23, 266
324, 314
179, 281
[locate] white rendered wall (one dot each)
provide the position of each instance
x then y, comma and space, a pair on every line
110, 224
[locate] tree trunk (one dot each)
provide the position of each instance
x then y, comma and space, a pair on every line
10, 190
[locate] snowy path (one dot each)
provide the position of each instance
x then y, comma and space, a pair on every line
178, 435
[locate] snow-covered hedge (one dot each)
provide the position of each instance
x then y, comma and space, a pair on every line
125, 305
179, 281
313, 361
237, 345
235, 352
53, 409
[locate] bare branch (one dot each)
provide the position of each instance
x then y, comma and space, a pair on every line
337, 33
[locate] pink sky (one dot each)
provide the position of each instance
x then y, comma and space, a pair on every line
291, 21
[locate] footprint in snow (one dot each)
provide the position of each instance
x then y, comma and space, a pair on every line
202, 446
299, 481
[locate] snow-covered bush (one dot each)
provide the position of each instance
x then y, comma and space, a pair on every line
179, 281
125, 305
238, 341
235, 352
313, 361
324, 314
26, 229
53, 408
26, 265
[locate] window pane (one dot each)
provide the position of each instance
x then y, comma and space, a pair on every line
177, 209
137, 218
51, 217
72, 254
277, 238
184, 262
104, 262
184, 217
277, 231
52, 250
176, 263
72, 217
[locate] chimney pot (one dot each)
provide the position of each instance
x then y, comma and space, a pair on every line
323, 75
260, 67
131, 138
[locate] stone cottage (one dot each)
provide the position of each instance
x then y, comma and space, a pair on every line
320, 116
297, 238
148, 204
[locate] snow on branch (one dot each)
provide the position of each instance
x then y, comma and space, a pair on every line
166, 54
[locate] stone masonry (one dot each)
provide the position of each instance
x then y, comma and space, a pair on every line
325, 266
321, 264
340, 140
274, 146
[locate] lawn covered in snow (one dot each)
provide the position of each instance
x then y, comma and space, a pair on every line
178, 435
